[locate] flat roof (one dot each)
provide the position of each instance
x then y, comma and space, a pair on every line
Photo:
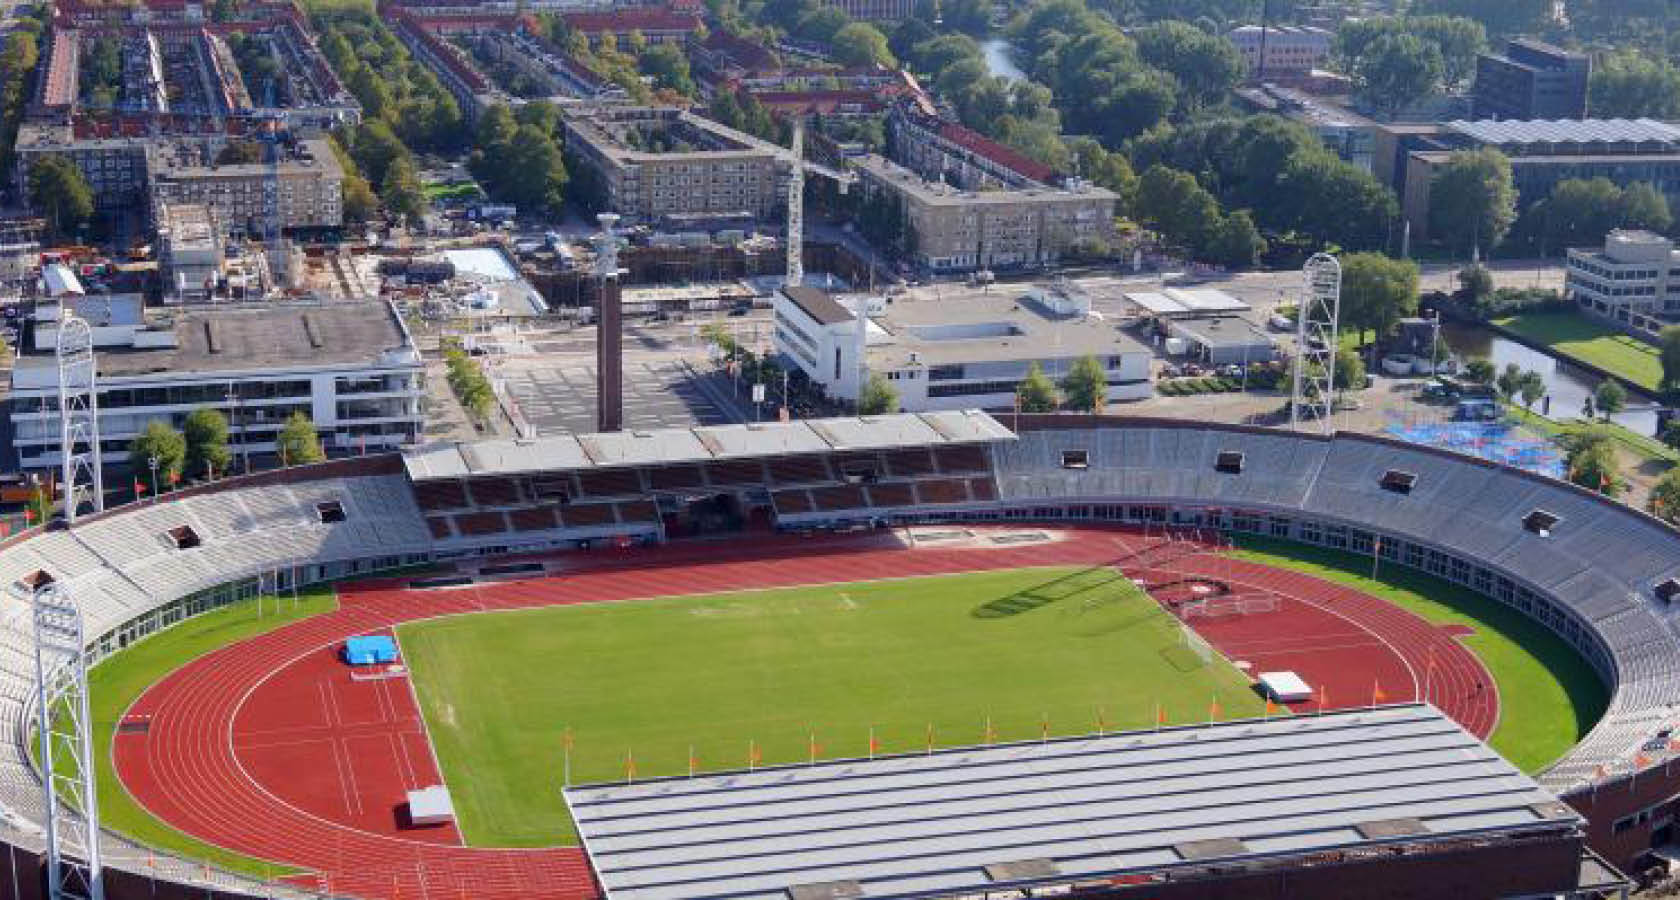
684, 445
1566, 131
941, 194
1222, 331
1000, 325
983, 819
819, 304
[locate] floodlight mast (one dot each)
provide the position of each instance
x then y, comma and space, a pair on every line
64, 730
81, 477
1317, 330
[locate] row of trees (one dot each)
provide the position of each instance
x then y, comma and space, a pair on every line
392, 86
199, 450
1083, 389
1396, 61
467, 380
1176, 206
18, 58
518, 157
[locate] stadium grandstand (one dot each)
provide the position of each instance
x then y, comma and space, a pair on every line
1599, 574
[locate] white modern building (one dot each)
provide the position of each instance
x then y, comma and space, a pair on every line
1634, 279
352, 368
960, 350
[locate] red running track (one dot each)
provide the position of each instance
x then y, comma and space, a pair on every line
240, 753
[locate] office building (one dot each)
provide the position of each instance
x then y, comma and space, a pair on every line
352, 368
1634, 279
876, 10
1532, 80
959, 350
1288, 49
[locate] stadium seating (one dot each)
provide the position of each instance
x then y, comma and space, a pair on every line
671, 478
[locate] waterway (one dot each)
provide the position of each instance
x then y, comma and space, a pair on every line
999, 60
1567, 385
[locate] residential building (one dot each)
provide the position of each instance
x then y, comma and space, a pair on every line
191, 252
941, 150
1287, 49
473, 92
351, 367
1349, 135
656, 25
950, 229
1634, 279
876, 10
960, 350
307, 182
670, 166
1532, 80
115, 167
1542, 153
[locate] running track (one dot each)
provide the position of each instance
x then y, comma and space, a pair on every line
214, 759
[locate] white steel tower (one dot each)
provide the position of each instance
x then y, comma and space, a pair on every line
1316, 333
65, 738
82, 479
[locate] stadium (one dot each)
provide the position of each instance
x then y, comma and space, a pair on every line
590, 628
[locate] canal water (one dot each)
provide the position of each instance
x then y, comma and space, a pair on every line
998, 61
1567, 385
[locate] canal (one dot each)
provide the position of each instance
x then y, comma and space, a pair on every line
999, 60
1568, 386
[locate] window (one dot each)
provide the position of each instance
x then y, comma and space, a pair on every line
1076, 459
1229, 461
330, 511
1398, 482
1540, 522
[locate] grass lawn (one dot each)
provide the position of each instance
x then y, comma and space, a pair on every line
1549, 697
464, 190
655, 677
1581, 338
118, 681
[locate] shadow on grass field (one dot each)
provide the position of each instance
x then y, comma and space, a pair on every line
1549, 697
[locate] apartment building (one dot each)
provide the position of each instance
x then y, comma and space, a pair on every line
1289, 50
352, 368
876, 10
657, 165
1532, 80
957, 230
1634, 278
307, 183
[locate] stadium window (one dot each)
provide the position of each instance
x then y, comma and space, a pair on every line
1076, 459
329, 511
1540, 522
183, 537
1398, 482
1229, 461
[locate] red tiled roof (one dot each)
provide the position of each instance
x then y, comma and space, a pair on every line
994, 151
631, 20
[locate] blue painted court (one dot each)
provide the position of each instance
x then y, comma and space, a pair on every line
1495, 441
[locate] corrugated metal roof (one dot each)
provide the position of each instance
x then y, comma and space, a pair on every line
679, 445
1564, 131
951, 821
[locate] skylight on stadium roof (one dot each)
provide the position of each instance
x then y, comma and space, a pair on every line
1567, 131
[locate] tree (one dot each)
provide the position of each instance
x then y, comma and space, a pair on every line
1531, 387
206, 434
902, 42
1627, 85
1665, 497
360, 203
1476, 281
667, 65
1593, 465
861, 44
1208, 66
1036, 393
877, 397
1669, 353
1397, 70
1377, 292
1473, 199
1350, 371
535, 175
1610, 397
401, 191
1671, 436
821, 24
1086, 385
1643, 206
1509, 382
1479, 371
160, 442
1173, 203
297, 443
58, 190
1501, 17
1236, 241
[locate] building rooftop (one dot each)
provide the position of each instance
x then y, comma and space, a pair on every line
819, 304
188, 225
1567, 131
623, 132
941, 194
183, 343
680, 445
991, 821
971, 326
1216, 332
191, 159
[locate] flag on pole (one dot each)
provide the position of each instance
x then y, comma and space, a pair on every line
930, 739
874, 745
1323, 697
1102, 722
815, 748
693, 761
630, 765
990, 734
1160, 715
1044, 727
1640, 760
753, 755
1213, 708
1270, 707
1377, 695
28, 516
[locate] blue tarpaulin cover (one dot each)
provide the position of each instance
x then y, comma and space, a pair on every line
370, 650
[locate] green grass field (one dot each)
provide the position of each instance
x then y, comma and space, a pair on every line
1581, 338
499, 690
118, 681
1549, 697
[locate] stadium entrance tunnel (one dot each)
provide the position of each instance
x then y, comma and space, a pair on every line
711, 514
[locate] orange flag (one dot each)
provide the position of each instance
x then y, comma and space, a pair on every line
930, 738
1160, 715
693, 761
1213, 708
815, 748
629, 765
1102, 721
1270, 707
1377, 695
874, 745
1044, 727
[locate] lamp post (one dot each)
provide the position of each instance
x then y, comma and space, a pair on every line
152, 461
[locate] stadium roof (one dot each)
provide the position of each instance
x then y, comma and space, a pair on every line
977, 820
682, 445
1567, 131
